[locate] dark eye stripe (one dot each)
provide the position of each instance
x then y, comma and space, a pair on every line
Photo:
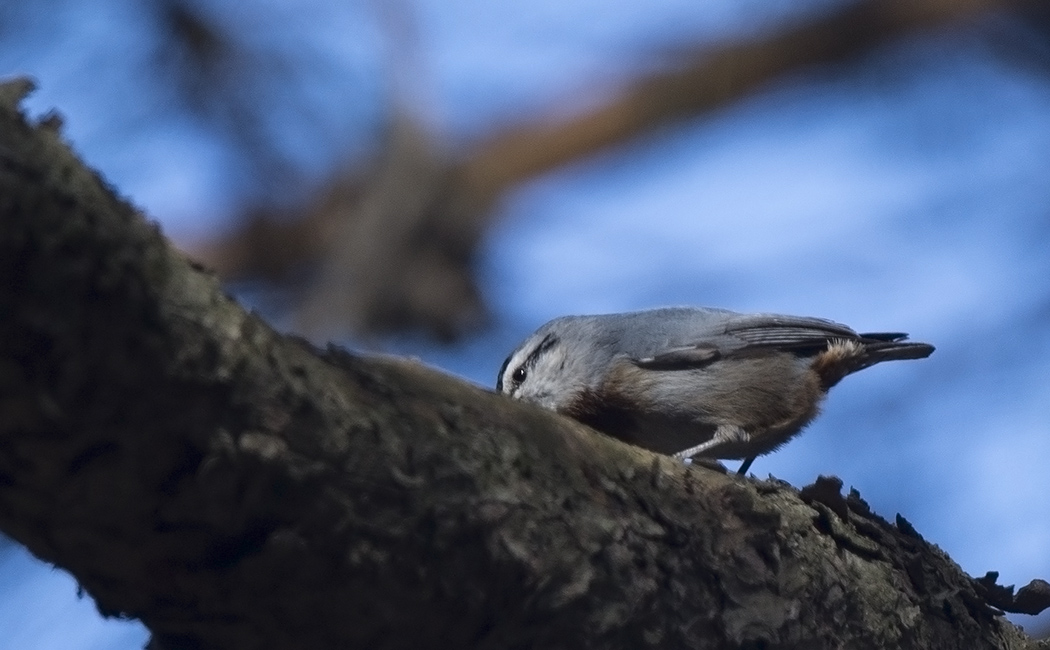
499, 377
547, 343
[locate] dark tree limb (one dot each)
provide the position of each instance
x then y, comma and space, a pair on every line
233, 488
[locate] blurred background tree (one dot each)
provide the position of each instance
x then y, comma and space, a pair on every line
437, 178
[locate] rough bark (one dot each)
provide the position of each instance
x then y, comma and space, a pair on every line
234, 488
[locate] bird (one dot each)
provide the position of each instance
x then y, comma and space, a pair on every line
694, 382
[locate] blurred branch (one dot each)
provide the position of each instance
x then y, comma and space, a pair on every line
237, 489
424, 228
236, 86
1024, 41
217, 78
705, 82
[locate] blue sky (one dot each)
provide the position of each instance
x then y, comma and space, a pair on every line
906, 191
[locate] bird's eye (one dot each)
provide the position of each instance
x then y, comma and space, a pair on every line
520, 374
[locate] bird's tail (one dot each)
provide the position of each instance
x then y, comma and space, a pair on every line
847, 356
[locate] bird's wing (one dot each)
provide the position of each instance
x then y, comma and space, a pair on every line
692, 356
746, 334
785, 332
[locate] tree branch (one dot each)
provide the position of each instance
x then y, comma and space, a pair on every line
233, 488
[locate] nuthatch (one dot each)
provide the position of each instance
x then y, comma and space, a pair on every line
694, 381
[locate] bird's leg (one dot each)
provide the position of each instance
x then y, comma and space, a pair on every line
724, 434
746, 465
